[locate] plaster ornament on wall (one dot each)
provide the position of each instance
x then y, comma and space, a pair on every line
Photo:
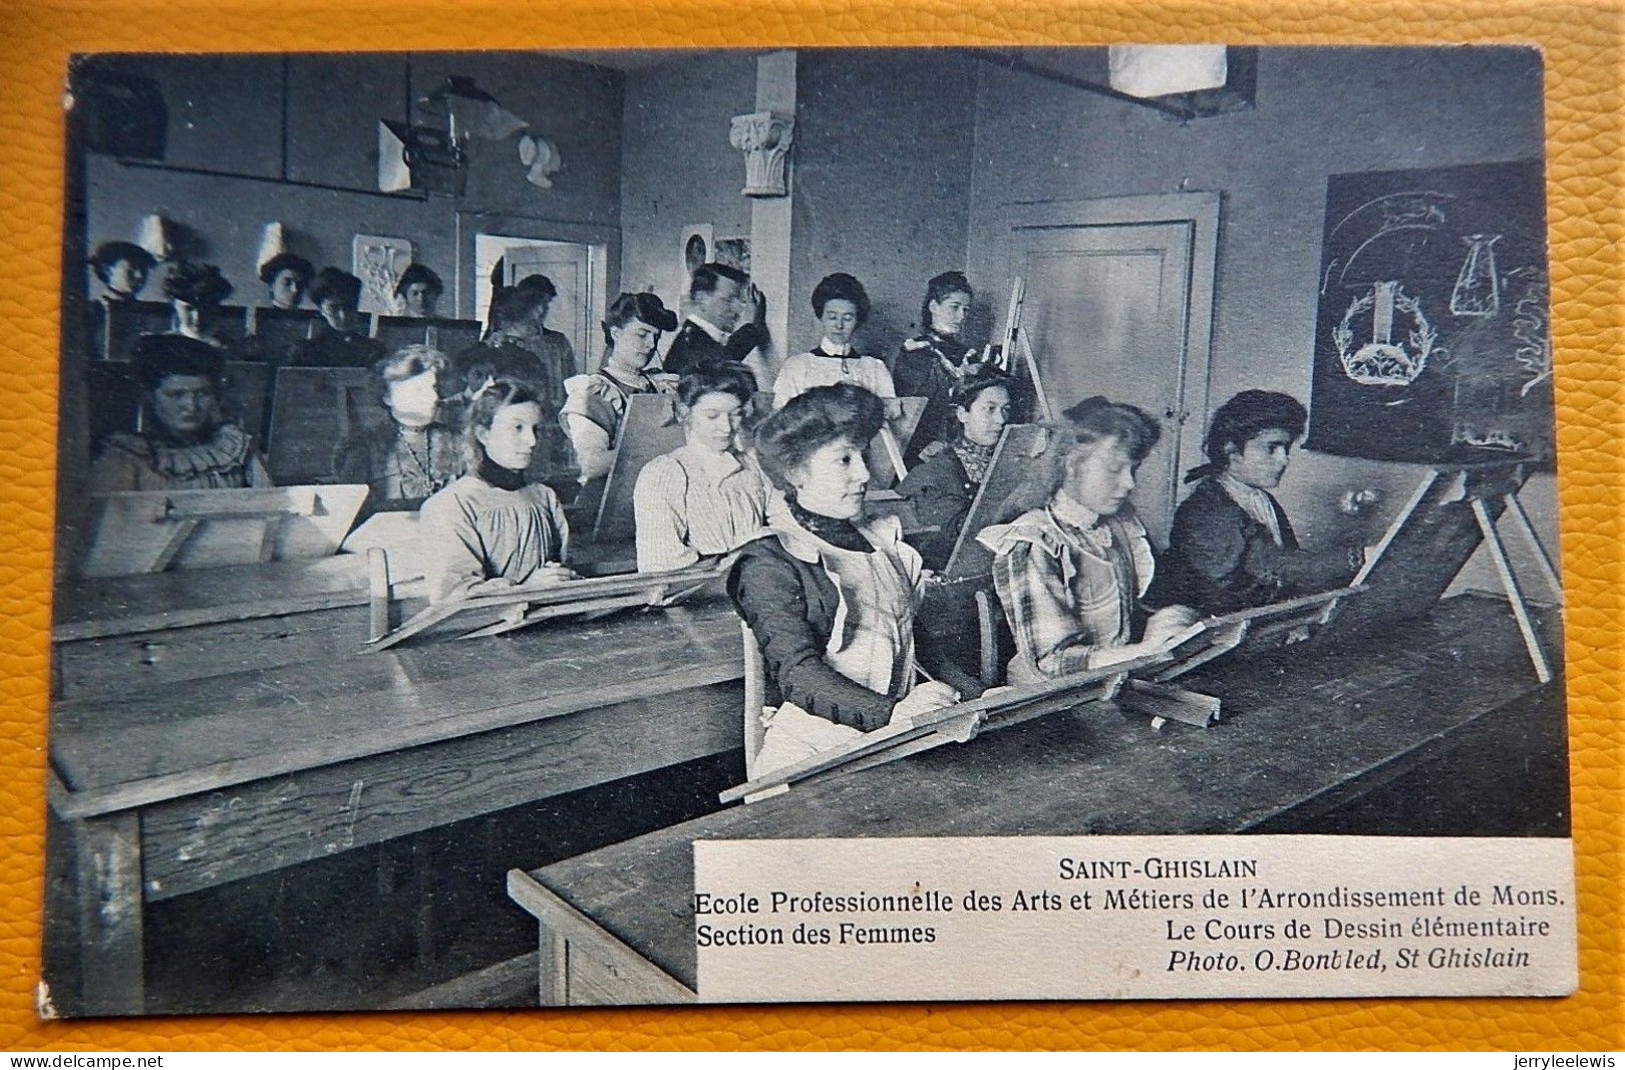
153, 236
764, 137
272, 243
541, 158
378, 263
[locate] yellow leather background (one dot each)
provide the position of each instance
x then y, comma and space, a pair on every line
1582, 43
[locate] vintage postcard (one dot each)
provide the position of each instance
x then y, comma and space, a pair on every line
806, 524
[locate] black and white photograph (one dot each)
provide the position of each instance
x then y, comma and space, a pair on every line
646, 527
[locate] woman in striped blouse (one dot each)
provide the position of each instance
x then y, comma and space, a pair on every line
706, 498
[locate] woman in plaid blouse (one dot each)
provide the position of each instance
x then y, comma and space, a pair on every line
1071, 572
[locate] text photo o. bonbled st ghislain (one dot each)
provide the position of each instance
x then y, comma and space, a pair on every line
486, 476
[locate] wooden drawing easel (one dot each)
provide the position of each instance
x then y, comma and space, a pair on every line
1450, 514
149, 531
649, 429
959, 723
311, 414
1019, 445
125, 321
481, 615
886, 467
273, 332
1290, 621
1016, 339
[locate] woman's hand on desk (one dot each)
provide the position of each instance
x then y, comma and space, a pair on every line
925, 698
550, 573
1168, 622
1165, 625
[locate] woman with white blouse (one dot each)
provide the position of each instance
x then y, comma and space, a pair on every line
706, 498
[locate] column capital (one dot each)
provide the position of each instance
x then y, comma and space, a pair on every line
764, 137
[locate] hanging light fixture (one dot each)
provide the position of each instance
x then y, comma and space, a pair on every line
1159, 70
471, 112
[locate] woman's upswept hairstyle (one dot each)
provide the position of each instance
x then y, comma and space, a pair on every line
949, 282
840, 287
482, 411
416, 273
965, 392
1095, 419
1082, 427
639, 306
156, 357
196, 284
293, 262
734, 379
334, 284
510, 307
1239, 420
409, 362
109, 253
812, 420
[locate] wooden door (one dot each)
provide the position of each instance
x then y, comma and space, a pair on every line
1119, 303
569, 265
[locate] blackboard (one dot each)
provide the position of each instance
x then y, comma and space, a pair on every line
1432, 340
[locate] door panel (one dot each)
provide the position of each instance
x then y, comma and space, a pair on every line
570, 267
1106, 310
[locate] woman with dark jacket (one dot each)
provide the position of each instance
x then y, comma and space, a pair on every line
339, 339
1232, 546
830, 597
936, 360
943, 485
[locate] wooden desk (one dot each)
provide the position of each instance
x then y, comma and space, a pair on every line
202, 782
116, 636
616, 925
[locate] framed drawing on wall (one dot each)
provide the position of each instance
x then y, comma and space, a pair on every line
696, 247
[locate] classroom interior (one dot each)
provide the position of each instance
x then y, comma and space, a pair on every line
905, 164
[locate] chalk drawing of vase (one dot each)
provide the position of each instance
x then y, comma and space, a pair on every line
1478, 285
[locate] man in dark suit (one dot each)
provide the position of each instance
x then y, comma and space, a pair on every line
717, 297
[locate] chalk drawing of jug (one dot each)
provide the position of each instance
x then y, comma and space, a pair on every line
1478, 285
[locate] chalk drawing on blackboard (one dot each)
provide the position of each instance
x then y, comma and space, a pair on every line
1430, 333
1478, 286
1532, 327
1400, 226
1382, 361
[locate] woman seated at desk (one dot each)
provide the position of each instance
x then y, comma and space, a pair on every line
491, 530
286, 277
122, 268
185, 444
595, 404
943, 485
841, 305
1070, 573
830, 598
413, 453
1232, 547
336, 340
195, 293
417, 291
707, 498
